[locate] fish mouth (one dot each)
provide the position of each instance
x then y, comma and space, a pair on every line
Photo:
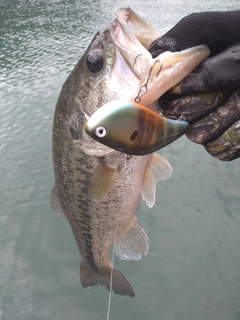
131, 35
134, 66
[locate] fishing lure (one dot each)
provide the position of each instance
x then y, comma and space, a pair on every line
131, 128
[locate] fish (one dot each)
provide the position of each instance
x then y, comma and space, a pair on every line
132, 128
98, 189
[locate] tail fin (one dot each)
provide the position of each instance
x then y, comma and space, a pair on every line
91, 277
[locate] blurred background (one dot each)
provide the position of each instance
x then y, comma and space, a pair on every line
192, 270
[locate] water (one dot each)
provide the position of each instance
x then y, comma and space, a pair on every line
192, 270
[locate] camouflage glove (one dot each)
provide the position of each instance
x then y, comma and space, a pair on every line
209, 99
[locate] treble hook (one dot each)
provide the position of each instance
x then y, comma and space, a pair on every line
143, 88
128, 165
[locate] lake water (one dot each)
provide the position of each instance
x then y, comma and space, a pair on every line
192, 270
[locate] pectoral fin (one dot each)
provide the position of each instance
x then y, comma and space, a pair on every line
101, 181
157, 170
133, 243
55, 203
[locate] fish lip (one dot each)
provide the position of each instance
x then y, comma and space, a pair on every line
131, 46
123, 31
136, 26
132, 61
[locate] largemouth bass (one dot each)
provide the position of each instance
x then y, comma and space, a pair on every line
97, 188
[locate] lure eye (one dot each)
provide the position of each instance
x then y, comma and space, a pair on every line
95, 62
100, 132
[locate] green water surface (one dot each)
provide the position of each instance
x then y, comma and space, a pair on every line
192, 270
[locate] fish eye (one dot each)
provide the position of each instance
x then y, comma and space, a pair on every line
100, 132
95, 62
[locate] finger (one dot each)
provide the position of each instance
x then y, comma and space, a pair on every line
193, 108
218, 30
219, 73
227, 146
217, 122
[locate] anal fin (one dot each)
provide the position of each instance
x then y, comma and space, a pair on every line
133, 243
92, 277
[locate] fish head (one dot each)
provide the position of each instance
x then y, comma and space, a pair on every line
118, 66
113, 67
109, 69
116, 60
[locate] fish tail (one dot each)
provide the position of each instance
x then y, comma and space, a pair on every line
92, 277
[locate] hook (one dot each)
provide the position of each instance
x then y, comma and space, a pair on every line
143, 88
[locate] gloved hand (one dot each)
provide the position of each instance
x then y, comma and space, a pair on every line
209, 98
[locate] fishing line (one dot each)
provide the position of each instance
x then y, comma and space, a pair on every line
111, 275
